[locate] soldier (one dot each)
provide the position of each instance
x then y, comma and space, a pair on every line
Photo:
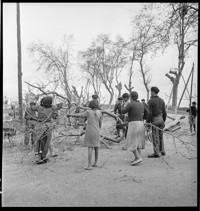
157, 116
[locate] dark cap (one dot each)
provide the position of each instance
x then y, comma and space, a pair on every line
155, 89
46, 101
93, 104
134, 95
194, 103
32, 103
95, 96
119, 98
125, 95
143, 100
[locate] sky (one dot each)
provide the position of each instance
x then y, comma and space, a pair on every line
48, 22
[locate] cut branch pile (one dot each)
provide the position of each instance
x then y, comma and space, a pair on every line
171, 126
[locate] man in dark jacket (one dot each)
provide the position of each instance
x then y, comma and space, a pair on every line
157, 116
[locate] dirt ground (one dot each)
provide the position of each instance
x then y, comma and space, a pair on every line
167, 181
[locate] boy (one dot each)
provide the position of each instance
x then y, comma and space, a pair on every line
192, 117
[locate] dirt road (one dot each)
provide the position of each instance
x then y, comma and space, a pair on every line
167, 181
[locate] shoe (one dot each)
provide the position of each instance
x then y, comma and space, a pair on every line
153, 156
136, 161
133, 160
163, 153
88, 168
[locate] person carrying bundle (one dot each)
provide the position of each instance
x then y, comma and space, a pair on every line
43, 130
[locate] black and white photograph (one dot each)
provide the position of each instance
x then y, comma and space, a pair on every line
100, 104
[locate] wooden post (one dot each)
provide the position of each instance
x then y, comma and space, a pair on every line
186, 85
170, 98
191, 84
19, 65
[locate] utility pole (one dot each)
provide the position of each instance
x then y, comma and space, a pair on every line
191, 73
191, 85
19, 65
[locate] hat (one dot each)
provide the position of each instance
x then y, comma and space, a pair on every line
93, 104
47, 101
155, 89
32, 103
194, 103
119, 98
95, 96
134, 95
143, 100
125, 95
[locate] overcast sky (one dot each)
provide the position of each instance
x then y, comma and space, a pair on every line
48, 22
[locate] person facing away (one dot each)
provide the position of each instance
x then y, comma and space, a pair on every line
117, 110
192, 117
43, 132
157, 116
135, 139
92, 133
30, 121
95, 98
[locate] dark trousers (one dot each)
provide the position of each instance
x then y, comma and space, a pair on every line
157, 135
29, 135
42, 145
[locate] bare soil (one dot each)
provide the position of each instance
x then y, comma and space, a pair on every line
167, 181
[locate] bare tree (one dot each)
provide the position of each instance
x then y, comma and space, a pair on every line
147, 44
56, 61
182, 24
119, 59
132, 48
90, 66
97, 64
104, 61
178, 25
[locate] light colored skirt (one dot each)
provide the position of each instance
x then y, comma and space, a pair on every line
135, 136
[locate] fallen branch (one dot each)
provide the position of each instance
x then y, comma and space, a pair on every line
47, 93
105, 144
170, 117
176, 129
174, 123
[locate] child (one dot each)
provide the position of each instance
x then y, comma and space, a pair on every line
92, 134
192, 117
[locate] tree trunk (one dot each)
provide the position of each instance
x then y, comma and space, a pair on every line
175, 93
119, 88
19, 65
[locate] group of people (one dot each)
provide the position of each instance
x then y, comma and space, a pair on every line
128, 110
137, 113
